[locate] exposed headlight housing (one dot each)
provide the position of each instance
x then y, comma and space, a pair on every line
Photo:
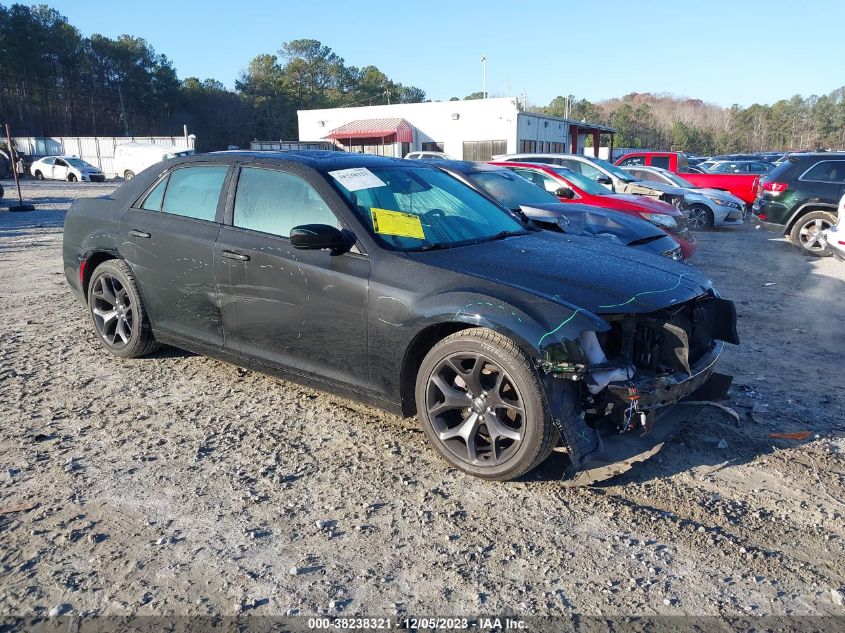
660, 219
725, 203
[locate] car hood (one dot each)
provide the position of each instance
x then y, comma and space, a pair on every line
592, 220
574, 271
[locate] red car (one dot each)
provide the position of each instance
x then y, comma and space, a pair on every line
569, 186
743, 186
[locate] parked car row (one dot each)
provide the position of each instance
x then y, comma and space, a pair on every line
743, 186
419, 287
506, 187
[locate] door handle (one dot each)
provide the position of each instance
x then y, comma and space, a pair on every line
137, 233
233, 255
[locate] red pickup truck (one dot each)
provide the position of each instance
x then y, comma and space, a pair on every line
741, 185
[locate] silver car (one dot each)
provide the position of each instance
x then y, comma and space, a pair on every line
703, 207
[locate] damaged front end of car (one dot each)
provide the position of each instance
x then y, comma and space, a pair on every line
609, 390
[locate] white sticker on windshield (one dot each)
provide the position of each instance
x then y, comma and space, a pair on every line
357, 178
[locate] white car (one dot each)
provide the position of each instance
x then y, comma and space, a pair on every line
68, 168
835, 235
133, 158
703, 207
427, 156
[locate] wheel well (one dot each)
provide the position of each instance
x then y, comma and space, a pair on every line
804, 211
417, 350
91, 263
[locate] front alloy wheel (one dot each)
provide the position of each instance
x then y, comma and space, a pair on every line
698, 217
475, 409
481, 404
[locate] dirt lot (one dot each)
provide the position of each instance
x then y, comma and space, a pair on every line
183, 485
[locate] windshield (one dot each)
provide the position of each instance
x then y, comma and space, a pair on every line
418, 209
587, 185
509, 189
620, 173
76, 162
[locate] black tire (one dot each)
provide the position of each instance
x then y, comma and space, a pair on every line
128, 174
71, 178
39, 175
537, 434
699, 216
113, 285
806, 232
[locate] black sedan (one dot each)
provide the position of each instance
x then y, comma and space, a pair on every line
393, 283
514, 192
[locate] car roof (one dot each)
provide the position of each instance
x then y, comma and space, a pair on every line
549, 155
836, 155
322, 160
463, 166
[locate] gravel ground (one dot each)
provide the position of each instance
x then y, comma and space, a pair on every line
183, 485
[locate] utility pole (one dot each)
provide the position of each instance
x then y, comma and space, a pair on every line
484, 75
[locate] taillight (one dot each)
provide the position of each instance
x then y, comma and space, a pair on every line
775, 187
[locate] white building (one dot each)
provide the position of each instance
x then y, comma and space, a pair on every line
470, 130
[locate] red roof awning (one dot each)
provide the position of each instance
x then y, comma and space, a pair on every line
393, 130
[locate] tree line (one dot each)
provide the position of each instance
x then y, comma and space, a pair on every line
665, 122
56, 82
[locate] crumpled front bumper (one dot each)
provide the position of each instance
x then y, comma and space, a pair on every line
659, 391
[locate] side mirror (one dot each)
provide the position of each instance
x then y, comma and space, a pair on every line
604, 180
317, 237
565, 192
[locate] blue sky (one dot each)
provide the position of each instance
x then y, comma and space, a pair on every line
740, 51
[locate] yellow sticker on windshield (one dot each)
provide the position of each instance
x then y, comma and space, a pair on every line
397, 223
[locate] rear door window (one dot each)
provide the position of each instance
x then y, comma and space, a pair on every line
193, 192
274, 202
660, 161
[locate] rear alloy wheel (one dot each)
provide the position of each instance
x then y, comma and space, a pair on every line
39, 175
807, 232
128, 174
699, 217
117, 311
481, 405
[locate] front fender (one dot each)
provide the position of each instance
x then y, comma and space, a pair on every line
534, 324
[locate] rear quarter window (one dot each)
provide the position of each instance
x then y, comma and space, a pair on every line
632, 161
826, 171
